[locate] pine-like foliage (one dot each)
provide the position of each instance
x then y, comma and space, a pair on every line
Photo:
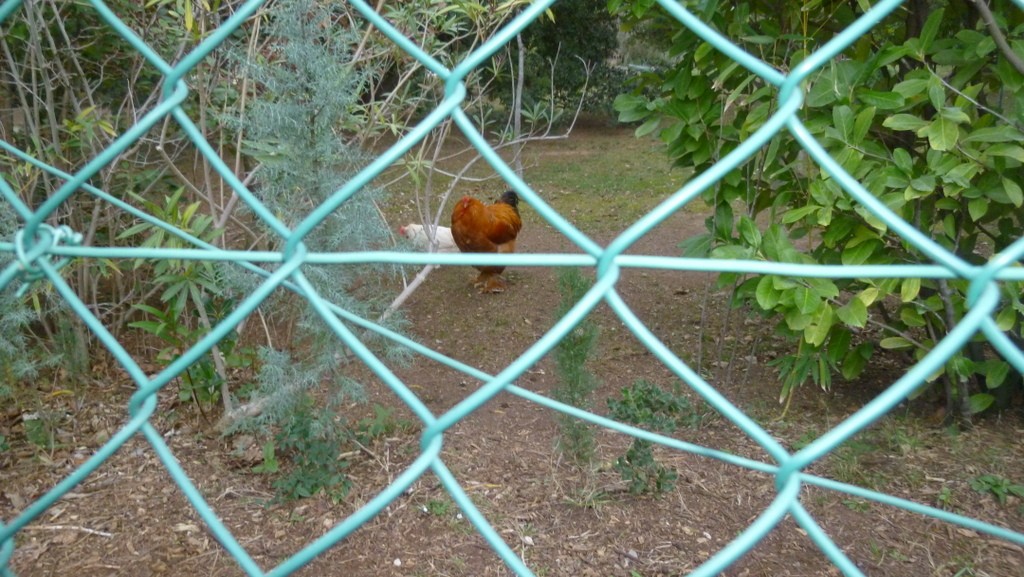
294, 126
304, 88
17, 360
576, 383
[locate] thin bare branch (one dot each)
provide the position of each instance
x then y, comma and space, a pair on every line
997, 35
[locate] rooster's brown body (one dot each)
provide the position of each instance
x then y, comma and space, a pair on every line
477, 227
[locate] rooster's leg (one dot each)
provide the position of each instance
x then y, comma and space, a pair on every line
492, 284
481, 279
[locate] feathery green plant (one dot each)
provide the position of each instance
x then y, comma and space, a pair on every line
576, 383
294, 126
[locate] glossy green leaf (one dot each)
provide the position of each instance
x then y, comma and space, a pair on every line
962, 174
911, 87
895, 343
838, 345
853, 313
942, 133
936, 93
748, 231
1014, 151
862, 124
954, 114
868, 296
901, 158
904, 122
856, 360
977, 207
805, 299
821, 323
822, 93
979, 402
909, 289
799, 213
995, 373
858, 254
697, 246
842, 117
1013, 192
881, 100
647, 127
1001, 133
823, 287
765, 294
796, 320
1006, 319
924, 183
732, 251
911, 317
702, 51
930, 30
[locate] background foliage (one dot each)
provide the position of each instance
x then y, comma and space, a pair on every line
924, 111
573, 49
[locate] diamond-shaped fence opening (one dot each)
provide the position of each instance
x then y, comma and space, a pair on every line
38, 250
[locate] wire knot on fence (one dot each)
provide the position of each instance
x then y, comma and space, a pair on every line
29, 250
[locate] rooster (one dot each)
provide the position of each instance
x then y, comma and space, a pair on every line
477, 227
417, 233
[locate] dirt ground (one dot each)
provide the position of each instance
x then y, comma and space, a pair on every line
128, 518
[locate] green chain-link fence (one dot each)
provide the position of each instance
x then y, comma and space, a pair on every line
40, 250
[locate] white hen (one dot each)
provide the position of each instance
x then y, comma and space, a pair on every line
418, 235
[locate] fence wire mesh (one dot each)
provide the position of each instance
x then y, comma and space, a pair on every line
40, 250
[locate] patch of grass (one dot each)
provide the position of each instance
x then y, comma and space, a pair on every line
445, 509
915, 479
881, 553
846, 465
601, 179
808, 437
588, 498
959, 565
898, 436
858, 505
439, 507
965, 567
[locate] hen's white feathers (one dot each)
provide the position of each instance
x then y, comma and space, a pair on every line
418, 236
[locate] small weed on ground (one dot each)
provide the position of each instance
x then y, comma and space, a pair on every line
647, 405
998, 487
439, 507
310, 440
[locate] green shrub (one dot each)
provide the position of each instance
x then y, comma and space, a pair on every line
924, 116
310, 441
650, 407
576, 384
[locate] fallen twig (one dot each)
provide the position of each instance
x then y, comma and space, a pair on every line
67, 528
